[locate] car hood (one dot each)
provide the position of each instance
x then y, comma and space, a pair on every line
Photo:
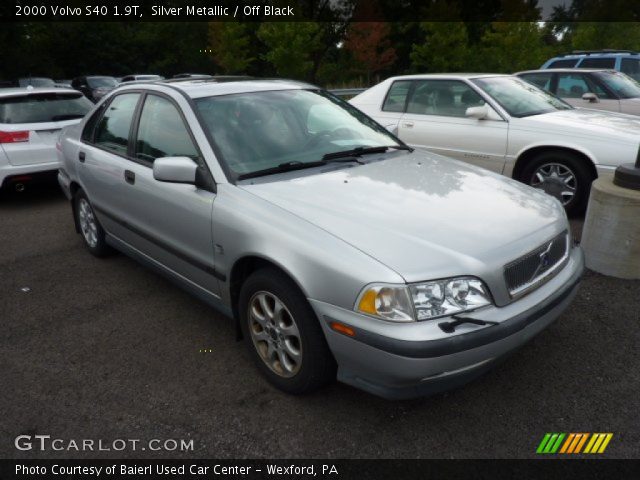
582, 121
423, 215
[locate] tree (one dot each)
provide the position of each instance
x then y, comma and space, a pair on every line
369, 44
230, 44
290, 47
444, 48
511, 46
598, 35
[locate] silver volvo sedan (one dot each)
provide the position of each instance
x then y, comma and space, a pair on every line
336, 248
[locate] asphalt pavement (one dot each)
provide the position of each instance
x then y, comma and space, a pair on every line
106, 349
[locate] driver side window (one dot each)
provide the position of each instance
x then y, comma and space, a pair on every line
162, 133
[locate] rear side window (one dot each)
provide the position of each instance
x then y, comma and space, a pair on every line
563, 63
112, 132
397, 96
162, 132
598, 63
540, 80
90, 126
43, 107
631, 66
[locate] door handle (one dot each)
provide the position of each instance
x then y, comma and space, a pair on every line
408, 124
129, 177
81, 157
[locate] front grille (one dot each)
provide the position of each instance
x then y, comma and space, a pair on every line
534, 267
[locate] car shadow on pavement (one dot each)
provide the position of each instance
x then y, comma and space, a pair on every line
33, 194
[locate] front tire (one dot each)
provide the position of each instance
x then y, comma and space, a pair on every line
283, 333
90, 229
563, 175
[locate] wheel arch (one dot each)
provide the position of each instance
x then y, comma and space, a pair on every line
531, 152
242, 268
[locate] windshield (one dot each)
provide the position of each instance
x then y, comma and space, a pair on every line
623, 85
97, 82
43, 107
520, 98
261, 130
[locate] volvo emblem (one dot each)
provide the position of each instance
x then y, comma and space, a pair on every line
545, 260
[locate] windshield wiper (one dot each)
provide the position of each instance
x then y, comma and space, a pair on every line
334, 157
295, 165
356, 152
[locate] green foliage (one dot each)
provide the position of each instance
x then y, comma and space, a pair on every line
511, 46
291, 47
443, 49
596, 35
231, 45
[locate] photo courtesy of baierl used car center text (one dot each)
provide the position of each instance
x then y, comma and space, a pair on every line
334, 239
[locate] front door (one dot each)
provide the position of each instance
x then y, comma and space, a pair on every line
435, 120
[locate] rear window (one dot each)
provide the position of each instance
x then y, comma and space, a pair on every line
43, 107
563, 63
598, 63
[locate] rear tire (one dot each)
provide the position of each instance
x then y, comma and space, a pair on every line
563, 175
283, 334
90, 229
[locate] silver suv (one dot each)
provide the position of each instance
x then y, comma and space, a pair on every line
336, 249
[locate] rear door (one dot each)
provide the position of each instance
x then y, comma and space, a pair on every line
168, 222
435, 120
30, 124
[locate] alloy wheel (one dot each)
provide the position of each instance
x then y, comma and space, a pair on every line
88, 223
557, 180
275, 334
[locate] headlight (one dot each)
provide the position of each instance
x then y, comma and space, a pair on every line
389, 302
423, 301
448, 296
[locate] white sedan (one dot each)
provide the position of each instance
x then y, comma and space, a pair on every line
505, 124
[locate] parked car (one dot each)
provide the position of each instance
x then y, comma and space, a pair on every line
625, 61
63, 83
192, 75
137, 78
327, 239
505, 124
596, 89
42, 82
30, 121
94, 87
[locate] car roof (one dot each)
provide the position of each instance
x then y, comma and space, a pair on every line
14, 92
459, 76
212, 87
568, 70
596, 53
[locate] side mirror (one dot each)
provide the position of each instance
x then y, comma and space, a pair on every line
590, 97
478, 113
175, 170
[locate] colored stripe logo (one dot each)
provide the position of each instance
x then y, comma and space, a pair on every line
574, 443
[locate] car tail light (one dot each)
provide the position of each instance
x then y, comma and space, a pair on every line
14, 137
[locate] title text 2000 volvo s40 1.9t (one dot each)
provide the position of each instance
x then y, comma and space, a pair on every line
336, 249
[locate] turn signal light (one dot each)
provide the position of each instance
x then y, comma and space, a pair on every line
14, 137
341, 328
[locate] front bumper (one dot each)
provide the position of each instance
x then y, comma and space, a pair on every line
418, 358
